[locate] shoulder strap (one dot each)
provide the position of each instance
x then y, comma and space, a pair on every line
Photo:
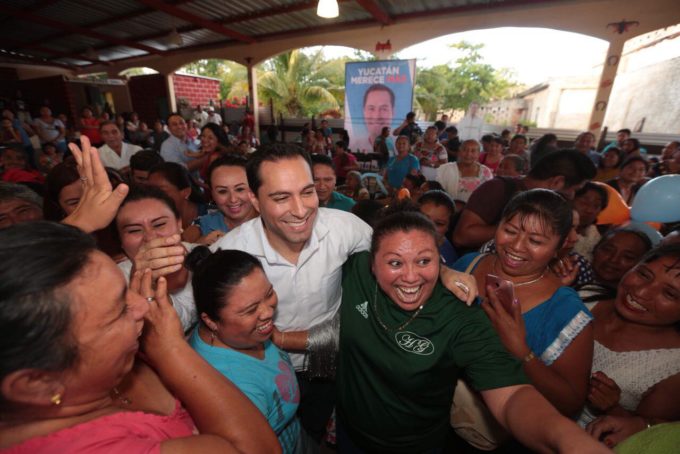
473, 263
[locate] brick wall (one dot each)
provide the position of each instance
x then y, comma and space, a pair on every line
149, 94
196, 90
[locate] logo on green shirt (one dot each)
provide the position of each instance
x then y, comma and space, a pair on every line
413, 343
363, 309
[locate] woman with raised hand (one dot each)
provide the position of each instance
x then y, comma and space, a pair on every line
546, 325
636, 363
236, 303
70, 379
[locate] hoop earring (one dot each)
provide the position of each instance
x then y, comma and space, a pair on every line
213, 336
56, 399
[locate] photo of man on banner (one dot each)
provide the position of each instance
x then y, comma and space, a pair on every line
377, 94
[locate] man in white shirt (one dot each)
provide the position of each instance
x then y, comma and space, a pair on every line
302, 248
470, 126
214, 117
115, 153
200, 116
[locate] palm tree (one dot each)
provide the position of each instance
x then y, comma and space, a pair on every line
302, 84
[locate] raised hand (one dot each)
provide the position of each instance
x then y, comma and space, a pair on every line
99, 204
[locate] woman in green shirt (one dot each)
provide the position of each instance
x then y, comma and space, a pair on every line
404, 340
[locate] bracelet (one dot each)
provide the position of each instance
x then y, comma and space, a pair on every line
529, 356
283, 339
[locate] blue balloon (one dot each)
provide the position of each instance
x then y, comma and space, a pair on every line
658, 200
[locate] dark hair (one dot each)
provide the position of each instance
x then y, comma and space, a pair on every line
434, 185
367, 210
227, 160
438, 198
519, 136
625, 131
216, 275
452, 129
486, 138
39, 259
634, 141
667, 250
551, 208
173, 114
222, 138
544, 140
572, 165
145, 160
144, 192
321, 159
616, 150
342, 144
401, 221
178, 176
440, 125
411, 115
272, 133
498, 139
609, 234
61, 175
631, 159
106, 123
379, 87
417, 180
518, 162
272, 152
594, 187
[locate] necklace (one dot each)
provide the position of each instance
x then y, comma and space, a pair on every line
123, 399
520, 284
377, 315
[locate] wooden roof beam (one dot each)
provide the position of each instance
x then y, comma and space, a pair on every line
198, 20
376, 11
75, 29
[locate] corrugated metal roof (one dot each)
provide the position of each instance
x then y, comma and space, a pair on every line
141, 24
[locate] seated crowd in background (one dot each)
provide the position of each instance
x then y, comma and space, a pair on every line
281, 293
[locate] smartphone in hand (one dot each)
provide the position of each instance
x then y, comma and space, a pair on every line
504, 290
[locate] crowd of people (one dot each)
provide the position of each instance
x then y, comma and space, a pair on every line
203, 292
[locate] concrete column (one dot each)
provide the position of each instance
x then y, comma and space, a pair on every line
172, 101
604, 88
252, 94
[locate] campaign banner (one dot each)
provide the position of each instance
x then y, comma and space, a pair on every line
377, 94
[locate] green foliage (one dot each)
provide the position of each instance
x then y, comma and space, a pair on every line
301, 84
444, 87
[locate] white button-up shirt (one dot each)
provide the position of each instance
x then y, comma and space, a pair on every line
111, 159
310, 291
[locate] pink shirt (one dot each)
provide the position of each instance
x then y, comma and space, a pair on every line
124, 432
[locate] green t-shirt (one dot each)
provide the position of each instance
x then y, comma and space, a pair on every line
395, 387
340, 202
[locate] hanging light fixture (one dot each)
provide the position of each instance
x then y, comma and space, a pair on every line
174, 39
327, 9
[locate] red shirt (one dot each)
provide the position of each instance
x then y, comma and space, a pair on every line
342, 161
